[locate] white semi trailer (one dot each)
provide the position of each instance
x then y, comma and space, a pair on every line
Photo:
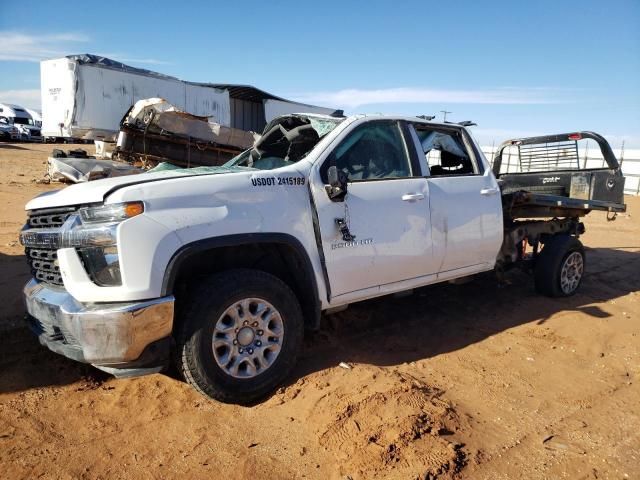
86, 96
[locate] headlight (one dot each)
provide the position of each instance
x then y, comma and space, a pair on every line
111, 213
95, 240
93, 232
93, 236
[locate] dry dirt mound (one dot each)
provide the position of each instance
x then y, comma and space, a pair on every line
380, 424
395, 432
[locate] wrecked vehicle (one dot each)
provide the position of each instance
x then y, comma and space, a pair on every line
227, 266
154, 131
153, 134
75, 166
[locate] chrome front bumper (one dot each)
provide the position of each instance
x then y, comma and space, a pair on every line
110, 336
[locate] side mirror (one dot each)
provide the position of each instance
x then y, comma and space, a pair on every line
337, 188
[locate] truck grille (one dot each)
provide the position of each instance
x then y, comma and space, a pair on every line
49, 217
44, 261
44, 265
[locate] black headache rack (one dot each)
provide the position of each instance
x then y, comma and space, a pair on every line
550, 183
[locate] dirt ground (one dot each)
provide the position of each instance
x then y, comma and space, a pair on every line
479, 381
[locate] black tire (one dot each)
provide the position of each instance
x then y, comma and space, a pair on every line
550, 262
195, 355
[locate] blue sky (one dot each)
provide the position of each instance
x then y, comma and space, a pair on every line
515, 68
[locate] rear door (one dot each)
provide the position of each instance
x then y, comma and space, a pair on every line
465, 203
386, 209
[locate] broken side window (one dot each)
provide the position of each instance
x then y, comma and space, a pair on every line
445, 152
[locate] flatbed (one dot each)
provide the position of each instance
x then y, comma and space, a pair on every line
548, 193
549, 181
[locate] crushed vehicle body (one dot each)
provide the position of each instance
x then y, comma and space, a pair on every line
223, 268
75, 166
154, 131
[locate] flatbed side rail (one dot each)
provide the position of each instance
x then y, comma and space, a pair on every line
605, 148
520, 199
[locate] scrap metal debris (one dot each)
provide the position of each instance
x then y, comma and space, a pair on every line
76, 166
154, 131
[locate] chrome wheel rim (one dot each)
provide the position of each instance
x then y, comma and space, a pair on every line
571, 272
247, 338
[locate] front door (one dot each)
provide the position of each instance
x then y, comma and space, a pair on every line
386, 209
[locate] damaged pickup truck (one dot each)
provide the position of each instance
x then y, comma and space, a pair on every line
223, 268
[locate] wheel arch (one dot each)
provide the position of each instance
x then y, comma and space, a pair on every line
279, 254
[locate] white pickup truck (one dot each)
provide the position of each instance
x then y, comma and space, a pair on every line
223, 268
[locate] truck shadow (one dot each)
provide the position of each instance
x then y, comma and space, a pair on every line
12, 146
385, 332
445, 318
24, 363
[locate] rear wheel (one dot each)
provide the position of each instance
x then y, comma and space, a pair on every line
560, 266
240, 336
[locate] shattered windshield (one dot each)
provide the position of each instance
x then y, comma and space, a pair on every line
285, 141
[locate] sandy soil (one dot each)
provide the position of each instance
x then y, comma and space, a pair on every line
481, 381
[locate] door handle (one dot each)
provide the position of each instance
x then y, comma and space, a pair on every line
489, 191
412, 197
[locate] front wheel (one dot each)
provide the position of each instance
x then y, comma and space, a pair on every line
240, 335
560, 266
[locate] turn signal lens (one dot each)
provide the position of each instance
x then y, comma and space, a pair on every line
134, 208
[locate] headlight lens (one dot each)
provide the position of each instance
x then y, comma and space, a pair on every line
111, 213
93, 236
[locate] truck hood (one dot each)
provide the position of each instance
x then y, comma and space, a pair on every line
96, 191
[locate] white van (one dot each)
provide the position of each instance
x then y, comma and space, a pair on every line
22, 120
